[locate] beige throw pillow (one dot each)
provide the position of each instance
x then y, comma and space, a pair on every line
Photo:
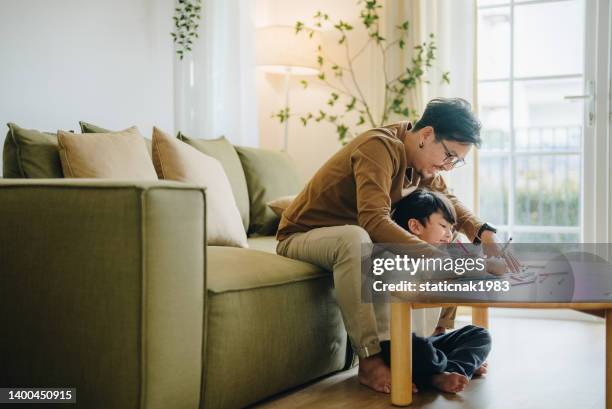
175, 160
112, 155
279, 205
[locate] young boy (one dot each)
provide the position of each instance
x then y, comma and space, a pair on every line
445, 361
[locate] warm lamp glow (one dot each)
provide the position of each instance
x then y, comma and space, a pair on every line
280, 50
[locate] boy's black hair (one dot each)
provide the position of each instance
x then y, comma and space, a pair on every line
421, 204
452, 119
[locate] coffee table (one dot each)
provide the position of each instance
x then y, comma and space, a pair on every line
401, 335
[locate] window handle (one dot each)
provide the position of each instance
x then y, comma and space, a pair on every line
573, 97
590, 97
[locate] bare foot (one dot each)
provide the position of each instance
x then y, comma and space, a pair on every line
449, 382
375, 374
482, 370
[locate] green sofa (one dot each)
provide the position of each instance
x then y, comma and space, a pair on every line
108, 286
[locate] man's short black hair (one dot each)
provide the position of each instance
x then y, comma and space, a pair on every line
421, 204
452, 119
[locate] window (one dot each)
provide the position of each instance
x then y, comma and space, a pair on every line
530, 60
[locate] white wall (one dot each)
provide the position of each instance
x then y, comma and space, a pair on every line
107, 62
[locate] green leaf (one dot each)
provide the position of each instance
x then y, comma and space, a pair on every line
351, 105
341, 130
304, 83
332, 100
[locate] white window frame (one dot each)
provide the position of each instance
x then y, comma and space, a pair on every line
597, 214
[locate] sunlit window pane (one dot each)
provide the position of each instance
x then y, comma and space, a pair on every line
547, 190
494, 111
548, 38
494, 43
524, 237
493, 182
544, 119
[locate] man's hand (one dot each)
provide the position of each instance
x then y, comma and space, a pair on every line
489, 244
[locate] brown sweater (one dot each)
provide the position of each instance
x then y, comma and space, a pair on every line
359, 184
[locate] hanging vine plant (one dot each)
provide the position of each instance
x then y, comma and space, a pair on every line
187, 16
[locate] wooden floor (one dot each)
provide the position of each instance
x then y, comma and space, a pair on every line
534, 364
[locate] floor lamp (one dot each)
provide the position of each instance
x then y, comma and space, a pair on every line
280, 50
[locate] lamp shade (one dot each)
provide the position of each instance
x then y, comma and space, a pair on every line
280, 50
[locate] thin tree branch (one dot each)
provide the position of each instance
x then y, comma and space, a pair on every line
384, 67
362, 49
392, 44
345, 92
352, 72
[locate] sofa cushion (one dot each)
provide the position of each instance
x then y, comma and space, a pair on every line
86, 127
113, 155
175, 160
269, 175
263, 243
222, 150
29, 153
233, 269
272, 324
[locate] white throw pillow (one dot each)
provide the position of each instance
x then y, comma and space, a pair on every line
175, 160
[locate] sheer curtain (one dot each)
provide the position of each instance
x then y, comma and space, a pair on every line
454, 25
215, 84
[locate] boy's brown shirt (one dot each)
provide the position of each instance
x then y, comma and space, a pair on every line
359, 184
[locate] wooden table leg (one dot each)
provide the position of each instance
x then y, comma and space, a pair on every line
401, 353
480, 316
608, 359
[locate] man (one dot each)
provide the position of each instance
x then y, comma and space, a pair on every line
348, 202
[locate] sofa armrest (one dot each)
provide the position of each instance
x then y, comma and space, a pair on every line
102, 288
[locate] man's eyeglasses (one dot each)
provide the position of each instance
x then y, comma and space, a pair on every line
453, 160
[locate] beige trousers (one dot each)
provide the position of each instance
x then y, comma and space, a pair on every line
338, 249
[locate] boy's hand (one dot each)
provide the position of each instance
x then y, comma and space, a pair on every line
496, 266
438, 331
